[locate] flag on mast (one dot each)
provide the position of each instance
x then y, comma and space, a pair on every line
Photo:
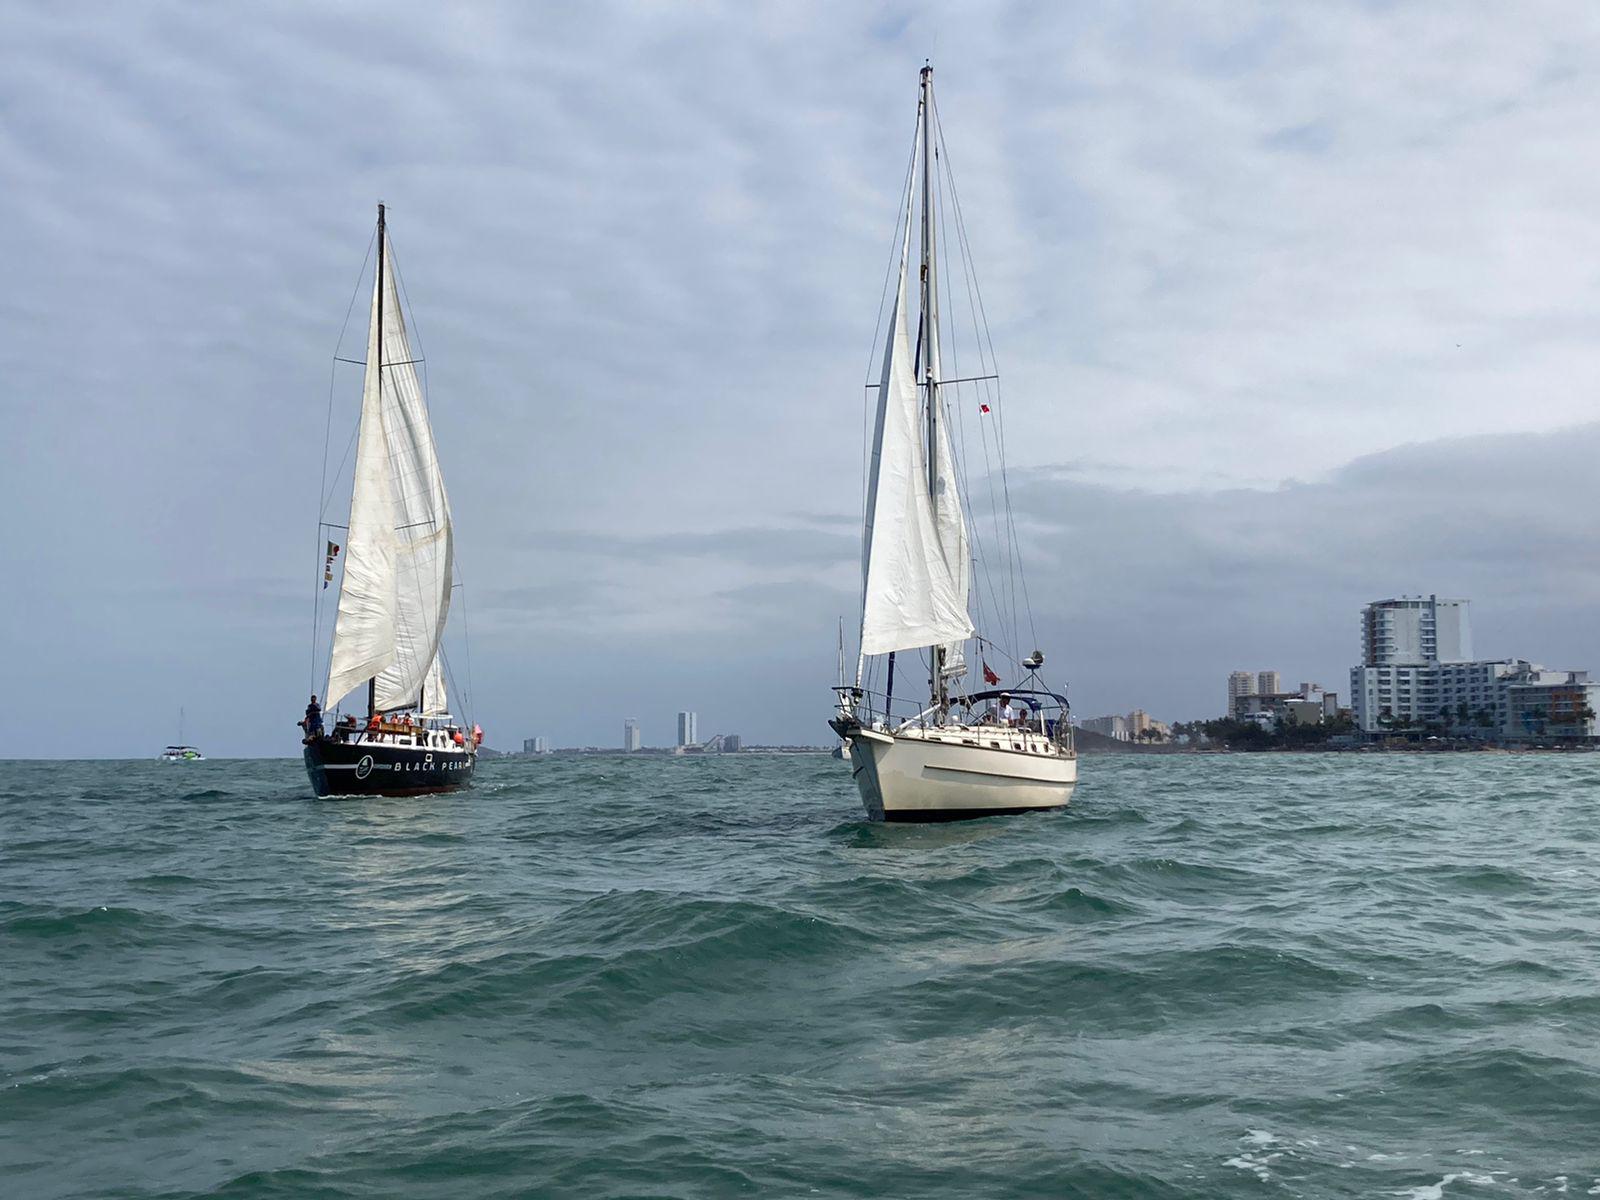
989, 676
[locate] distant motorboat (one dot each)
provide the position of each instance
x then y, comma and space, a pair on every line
951, 756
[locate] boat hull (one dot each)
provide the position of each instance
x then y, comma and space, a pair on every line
917, 778
339, 768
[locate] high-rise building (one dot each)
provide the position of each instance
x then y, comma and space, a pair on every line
731, 743
631, 740
1415, 631
535, 745
1417, 670
1269, 683
688, 729
1240, 683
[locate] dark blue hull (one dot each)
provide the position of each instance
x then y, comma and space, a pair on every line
339, 768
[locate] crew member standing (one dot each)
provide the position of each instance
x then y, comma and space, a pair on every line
313, 722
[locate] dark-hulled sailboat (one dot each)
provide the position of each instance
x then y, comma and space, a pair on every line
394, 592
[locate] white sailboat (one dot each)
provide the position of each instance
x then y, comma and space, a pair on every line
948, 754
394, 592
181, 752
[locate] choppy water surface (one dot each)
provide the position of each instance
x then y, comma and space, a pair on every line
1214, 976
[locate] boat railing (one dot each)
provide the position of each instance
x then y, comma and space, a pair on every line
1041, 712
425, 736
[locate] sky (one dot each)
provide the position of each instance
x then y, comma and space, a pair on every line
1295, 308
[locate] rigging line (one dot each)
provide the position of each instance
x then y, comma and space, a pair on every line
410, 326
466, 644
322, 484
977, 541
988, 464
957, 444
961, 230
1015, 573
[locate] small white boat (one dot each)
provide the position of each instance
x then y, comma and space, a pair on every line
958, 754
180, 752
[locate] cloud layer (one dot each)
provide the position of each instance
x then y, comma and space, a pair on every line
1222, 247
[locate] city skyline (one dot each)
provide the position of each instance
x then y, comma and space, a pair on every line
1325, 339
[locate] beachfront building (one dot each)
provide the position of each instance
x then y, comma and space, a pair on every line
1417, 670
1111, 727
632, 740
688, 729
1240, 683
1544, 705
1311, 705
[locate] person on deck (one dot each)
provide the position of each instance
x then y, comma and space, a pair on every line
1004, 714
313, 722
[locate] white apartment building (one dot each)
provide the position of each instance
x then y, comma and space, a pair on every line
631, 739
688, 729
1418, 667
1381, 695
1240, 683
1111, 727
1415, 631
1269, 683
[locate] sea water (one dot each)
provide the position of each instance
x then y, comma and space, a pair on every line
1275, 975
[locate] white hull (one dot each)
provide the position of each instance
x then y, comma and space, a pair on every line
959, 772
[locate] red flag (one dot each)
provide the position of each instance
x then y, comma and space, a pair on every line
989, 676
983, 408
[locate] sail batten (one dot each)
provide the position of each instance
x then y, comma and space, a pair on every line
394, 598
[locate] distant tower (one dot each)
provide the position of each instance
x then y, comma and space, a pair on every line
688, 729
1269, 683
1240, 683
630, 735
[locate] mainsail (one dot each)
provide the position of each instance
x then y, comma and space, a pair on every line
394, 597
910, 596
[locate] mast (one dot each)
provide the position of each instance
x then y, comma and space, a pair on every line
383, 246
929, 334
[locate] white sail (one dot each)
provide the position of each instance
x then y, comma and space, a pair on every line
951, 523
909, 596
434, 703
363, 634
394, 598
948, 516
424, 537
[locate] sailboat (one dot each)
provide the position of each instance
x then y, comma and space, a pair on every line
395, 587
946, 753
180, 752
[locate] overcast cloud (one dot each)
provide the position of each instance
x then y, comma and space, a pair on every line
1295, 307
